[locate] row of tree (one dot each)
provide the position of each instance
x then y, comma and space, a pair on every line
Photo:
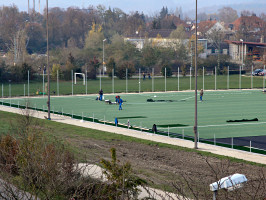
77, 40
70, 27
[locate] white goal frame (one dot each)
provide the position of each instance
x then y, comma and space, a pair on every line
75, 78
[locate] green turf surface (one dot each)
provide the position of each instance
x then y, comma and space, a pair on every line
93, 86
213, 112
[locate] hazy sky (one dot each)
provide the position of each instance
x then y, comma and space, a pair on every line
147, 6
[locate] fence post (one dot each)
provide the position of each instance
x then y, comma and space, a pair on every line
24, 89
43, 83
139, 80
168, 131
190, 79
152, 79
251, 77
198, 136
232, 143
93, 117
250, 146
165, 79
72, 82
126, 81
178, 77
28, 83
215, 73
86, 78
214, 139
113, 81
203, 74
57, 78
264, 78
100, 79
228, 72
183, 133
240, 77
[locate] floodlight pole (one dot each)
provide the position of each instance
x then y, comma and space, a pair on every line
196, 85
48, 66
103, 56
242, 53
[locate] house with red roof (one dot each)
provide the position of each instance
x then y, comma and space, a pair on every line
241, 49
252, 23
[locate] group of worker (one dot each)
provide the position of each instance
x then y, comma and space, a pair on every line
118, 99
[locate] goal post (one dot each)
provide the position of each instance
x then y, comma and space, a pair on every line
75, 77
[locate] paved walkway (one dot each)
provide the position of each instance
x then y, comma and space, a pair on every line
253, 157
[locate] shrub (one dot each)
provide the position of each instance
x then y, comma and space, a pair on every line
184, 70
122, 182
168, 70
55, 68
121, 71
8, 153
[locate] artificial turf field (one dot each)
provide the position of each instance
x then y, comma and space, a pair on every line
174, 110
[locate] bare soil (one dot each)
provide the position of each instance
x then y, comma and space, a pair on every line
163, 167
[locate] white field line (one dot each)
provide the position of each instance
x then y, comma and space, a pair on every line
216, 125
186, 98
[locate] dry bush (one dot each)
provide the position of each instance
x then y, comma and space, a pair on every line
41, 167
8, 153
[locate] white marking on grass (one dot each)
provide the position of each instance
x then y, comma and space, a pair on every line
218, 125
186, 98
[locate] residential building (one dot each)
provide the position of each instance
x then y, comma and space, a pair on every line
242, 49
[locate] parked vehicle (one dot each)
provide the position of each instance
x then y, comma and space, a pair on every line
262, 73
256, 72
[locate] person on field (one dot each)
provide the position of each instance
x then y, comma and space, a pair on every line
154, 128
116, 99
120, 101
101, 95
201, 94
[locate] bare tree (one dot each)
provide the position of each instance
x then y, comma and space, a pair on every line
227, 14
188, 186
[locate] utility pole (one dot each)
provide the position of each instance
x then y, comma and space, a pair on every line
48, 66
28, 7
33, 6
196, 74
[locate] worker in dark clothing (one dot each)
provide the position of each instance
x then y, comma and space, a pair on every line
154, 128
120, 101
101, 95
201, 94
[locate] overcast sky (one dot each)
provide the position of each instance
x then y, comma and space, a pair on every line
147, 6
